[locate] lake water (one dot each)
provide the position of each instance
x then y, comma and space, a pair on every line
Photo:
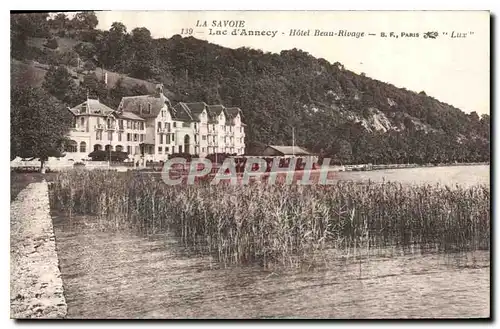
107, 275
127, 276
450, 175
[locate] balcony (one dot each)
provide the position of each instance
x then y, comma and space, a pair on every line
163, 131
121, 128
78, 128
99, 126
111, 127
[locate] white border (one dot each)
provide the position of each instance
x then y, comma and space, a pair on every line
195, 5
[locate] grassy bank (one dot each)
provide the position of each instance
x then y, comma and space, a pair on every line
281, 224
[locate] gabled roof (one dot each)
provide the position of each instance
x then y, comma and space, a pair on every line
92, 106
128, 116
181, 112
196, 108
290, 150
134, 104
232, 112
213, 113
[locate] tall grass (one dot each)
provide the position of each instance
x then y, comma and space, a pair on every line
282, 224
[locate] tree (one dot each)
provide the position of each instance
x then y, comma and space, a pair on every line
85, 50
59, 22
112, 47
143, 53
39, 124
51, 43
24, 26
86, 20
59, 83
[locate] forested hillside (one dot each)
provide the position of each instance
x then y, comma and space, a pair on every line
337, 113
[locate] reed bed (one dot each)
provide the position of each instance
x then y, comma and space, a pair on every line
282, 224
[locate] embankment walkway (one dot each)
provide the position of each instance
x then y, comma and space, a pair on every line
36, 288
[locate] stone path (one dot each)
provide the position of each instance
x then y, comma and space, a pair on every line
36, 288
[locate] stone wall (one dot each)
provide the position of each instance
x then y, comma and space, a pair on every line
36, 287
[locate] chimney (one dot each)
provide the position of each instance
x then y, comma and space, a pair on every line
159, 89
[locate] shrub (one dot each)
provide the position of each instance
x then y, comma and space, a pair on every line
116, 156
51, 43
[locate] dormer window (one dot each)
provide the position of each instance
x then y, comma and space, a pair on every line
146, 110
84, 108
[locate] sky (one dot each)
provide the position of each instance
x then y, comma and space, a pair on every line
453, 70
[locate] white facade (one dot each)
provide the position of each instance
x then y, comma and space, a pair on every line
98, 128
162, 130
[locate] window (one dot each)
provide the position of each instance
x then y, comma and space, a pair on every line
82, 121
120, 124
129, 149
135, 137
98, 135
175, 124
161, 139
149, 108
160, 150
83, 147
204, 137
173, 149
173, 139
137, 150
129, 137
167, 139
195, 125
203, 149
180, 148
110, 135
119, 137
141, 125
119, 148
166, 149
159, 126
141, 137
71, 147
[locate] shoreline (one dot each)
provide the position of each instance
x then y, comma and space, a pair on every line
372, 167
36, 287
